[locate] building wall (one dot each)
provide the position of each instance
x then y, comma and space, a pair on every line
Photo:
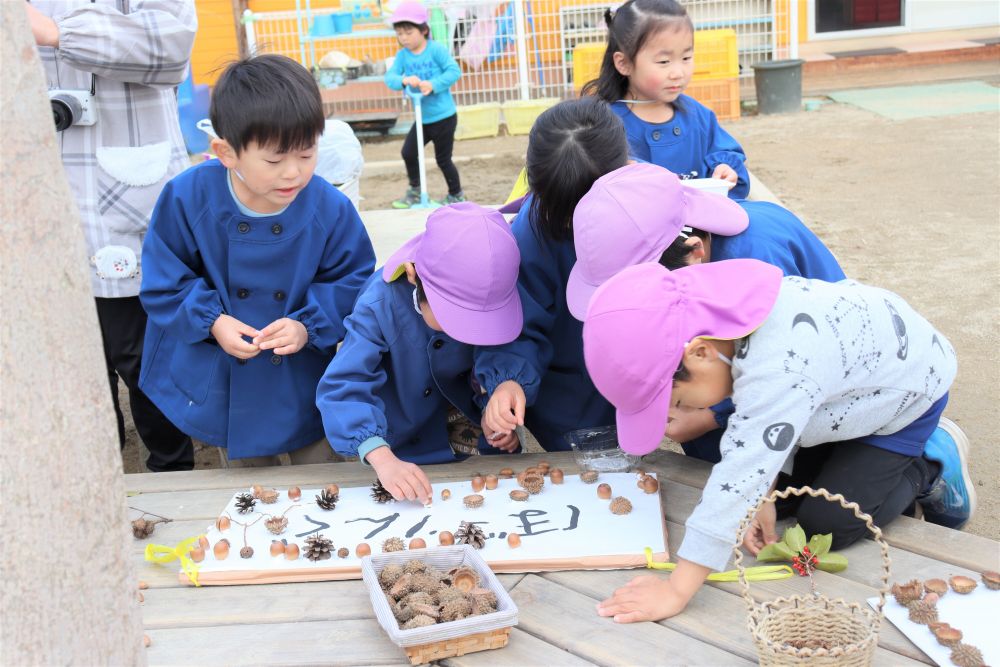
215, 44
953, 14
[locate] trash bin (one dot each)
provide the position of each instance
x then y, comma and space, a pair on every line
779, 86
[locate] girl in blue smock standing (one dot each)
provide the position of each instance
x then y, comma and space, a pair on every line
647, 65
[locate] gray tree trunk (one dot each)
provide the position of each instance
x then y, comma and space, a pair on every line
68, 582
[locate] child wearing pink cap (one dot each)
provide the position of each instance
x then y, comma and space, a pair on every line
836, 385
400, 392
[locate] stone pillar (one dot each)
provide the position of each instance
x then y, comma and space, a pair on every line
68, 581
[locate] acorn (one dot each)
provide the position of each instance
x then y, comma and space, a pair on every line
492, 481
588, 477
197, 554
519, 495
621, 505
332, 489
513, 540
277, 548
222, 523
932, 598
291, 551
506, 473
649, 484
362, 550
445, 494
143, 585
991, 580
146, 641
556, 475
473, 501
258, 490
203, 542
246, 552
604, 491
221, 549
294, 493
962, 584
947, 635
418, 543
343, 552
938, 586
446, 538
478, 483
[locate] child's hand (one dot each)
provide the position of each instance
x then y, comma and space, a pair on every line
645, 598
505, 442
228, 332
412, 81
405, 481
726, 173
761, 531
426, 87
284, 336
505, 411
686, 424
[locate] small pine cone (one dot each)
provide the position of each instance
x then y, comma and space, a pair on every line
318, 547
245, 503
418, 622
908, 592
326, 500
393, 544
415, 566
141, 528
456, 609
276, 524
389, 574
967, 655
246, 552
379, 492
268, 497
923, 613
343, 552
470, 533
621, 505
533, 483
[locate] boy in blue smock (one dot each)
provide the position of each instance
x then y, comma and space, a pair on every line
643, 213
250, 265
400, 393
427, 66
647, 66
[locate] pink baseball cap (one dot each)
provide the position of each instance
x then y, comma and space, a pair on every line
409, 11
631, 216
640, 320
468, 261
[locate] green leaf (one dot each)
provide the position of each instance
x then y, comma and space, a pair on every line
775, 552
820, 544
795, 538
832, 562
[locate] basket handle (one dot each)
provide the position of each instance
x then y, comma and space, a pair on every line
820, 493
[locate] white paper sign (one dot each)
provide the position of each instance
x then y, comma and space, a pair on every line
566, 526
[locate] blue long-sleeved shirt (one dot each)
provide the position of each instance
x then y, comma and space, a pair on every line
691, 144
433, 64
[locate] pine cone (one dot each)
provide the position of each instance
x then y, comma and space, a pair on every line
141, 528
276, 524
318, 547
470, 533
326, 500
245, 503
379, 493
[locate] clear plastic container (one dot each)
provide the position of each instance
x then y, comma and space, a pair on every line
596, 448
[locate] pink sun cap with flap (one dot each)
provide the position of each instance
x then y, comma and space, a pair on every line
640, 320
409, 11
467, 260
631, 216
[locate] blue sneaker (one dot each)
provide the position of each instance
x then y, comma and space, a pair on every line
951, 499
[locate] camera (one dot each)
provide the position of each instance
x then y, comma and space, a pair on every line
72, 107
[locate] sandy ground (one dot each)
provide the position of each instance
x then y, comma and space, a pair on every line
912, 206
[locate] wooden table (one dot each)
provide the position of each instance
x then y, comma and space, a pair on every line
332, 623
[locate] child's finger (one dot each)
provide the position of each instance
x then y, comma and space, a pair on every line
519, 401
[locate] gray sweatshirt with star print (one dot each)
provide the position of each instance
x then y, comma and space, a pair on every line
832, 362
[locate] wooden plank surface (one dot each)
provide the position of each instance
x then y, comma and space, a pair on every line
523, 650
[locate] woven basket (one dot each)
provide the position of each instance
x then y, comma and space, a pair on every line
845, 634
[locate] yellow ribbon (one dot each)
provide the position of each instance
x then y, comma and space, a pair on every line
159, 553
758, 573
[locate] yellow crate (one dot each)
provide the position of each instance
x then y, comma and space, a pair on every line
478, 120
587, 59
720, 95
715, 55
520, 115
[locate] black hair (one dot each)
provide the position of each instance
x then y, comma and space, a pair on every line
422, 27
682, 374
629, 29
570, 146
676, 255
421, 295
268, 99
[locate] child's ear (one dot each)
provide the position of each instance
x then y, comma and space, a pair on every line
224, 152
698, 351
697, 246
622, 63
411, 273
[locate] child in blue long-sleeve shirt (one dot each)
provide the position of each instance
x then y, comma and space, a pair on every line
647, 66
400, 392
428, 66
250, 265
